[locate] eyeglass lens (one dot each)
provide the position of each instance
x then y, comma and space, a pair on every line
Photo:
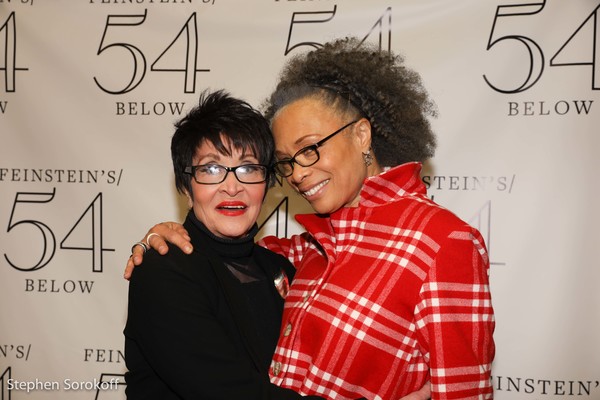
215, 173
306, 156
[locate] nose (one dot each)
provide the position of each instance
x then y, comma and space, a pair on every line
231, 185
298, 173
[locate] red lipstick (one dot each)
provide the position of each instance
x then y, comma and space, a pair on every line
232, 208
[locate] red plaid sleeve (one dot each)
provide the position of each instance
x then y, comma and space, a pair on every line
455, 319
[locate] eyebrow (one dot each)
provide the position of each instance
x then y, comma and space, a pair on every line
300, 139
297, 142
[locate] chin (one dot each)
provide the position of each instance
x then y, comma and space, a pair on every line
321, 208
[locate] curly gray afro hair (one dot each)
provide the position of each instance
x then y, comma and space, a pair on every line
358, 79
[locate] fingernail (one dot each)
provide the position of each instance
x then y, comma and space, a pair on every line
188, 249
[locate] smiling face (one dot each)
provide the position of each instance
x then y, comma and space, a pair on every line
336, 179
230, 208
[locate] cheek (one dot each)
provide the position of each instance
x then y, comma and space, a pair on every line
256, 195
202, 196
347, 173
338, 164
255, 199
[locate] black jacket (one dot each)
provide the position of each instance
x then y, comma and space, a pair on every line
190, 333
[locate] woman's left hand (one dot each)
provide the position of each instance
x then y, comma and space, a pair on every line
157, 238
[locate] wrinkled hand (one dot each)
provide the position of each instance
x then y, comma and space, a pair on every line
422, 394
157, 238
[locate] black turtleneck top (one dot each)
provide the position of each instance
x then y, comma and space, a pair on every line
205, 325
254, 284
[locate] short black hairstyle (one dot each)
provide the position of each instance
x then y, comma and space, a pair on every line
357, 79
218, 115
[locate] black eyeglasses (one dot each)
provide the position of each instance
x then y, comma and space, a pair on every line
306, 156
211, 174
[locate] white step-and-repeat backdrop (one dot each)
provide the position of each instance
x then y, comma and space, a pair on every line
89, 92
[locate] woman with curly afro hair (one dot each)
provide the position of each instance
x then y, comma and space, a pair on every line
391, 290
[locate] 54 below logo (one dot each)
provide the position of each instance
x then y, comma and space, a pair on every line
28, 231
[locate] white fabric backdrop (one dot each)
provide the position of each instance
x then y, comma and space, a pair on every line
91, 89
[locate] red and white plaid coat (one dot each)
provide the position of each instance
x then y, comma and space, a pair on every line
387, 295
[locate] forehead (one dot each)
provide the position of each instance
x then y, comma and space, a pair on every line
303, 120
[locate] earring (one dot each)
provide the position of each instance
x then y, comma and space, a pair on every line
368, 157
